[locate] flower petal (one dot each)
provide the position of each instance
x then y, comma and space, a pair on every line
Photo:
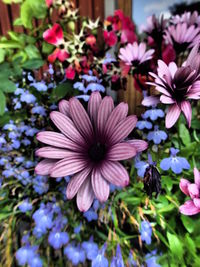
76, 181
172, 116
57, 140
81, 118
140, 145
189, 208
67, 127
44, 166
85, 196
166, 99
150, 101
123, 129
54, 35
93, 106
100, 186
193, 191
51, 152
114, 173
104, 112
197, 177
187, 110
64, 107
121, 151
66, 167
184, 186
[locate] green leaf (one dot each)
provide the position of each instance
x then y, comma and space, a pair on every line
18, 22
2, 55
175, 245
189, 243
2, 103
188, 223
7, 86
10, 44
184, 134
47, 48
61, 91
189, 149
32, 64
32, 51
4, 119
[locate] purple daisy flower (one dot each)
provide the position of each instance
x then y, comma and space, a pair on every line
89, 147
177, 86
187, 17
135, 54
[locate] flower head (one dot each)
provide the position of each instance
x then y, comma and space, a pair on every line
117, 260
177, 86
146, 232
192, 206
89, 147
174, 162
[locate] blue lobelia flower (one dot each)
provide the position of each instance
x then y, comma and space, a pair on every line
27, 97
146, 232
39, 110
25, 206
131, 261
58, 239
77, 229
100, 260
90, 215
24, 254
140, 166
177, 164
40, 86
35, 262
117, 261
75, 254
154, 114
157, 135
151, 259
91, 249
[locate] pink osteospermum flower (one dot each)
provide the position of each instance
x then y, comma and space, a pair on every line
89, 147
55, 37
135, 54
182, 36
187, 17
192, 206
177, 86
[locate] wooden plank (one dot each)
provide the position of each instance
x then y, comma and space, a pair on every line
98, 9
85, 8
126, 7
4, 18
15, 9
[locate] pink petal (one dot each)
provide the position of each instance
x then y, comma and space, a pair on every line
93, 106
100, 186
189, 208
197, 202
193, 190
184, 186
44, 166
150, 101
123, 129
76, 182
104, 112
172, 116
166, 99
85, 196
194, 92
118, 114
62, 55
64, 107
51, 152
114, 173
66, 167
67, 127
139, 145
54, 35
80, 118
197, 177
57, 140
187, 110
121, 151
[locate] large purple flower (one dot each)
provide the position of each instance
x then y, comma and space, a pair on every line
177, 86
89, 147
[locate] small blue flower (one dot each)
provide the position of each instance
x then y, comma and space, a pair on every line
117, 261
27, 97
84, 97
177, 164
58, 239
24, 254
131, 261
40, 86
141, 125
95, 87
40, 184
80, 86
100, 260
35, 262
91, 249
43, 219
90, 215
157, 135
39, 110
77, 229
141, 167
25, 206
75, 254
151, 259
146, 232
154, 114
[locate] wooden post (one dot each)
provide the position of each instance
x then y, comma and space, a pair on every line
131, 96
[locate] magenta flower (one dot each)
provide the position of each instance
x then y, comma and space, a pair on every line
134, 54
177, 86
192, 206
89, 147
182, 36
55, 37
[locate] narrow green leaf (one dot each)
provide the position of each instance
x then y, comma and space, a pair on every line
184, 134
175, 245
2, 103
